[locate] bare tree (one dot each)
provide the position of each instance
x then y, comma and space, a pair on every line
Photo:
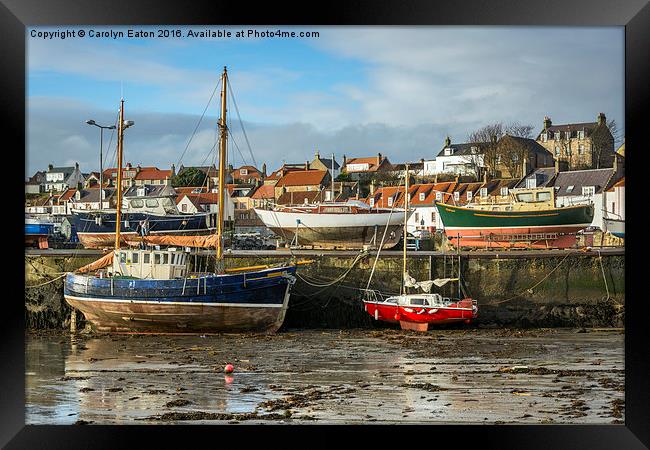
602, 146
617, 133
513, 152
518, 130
487, 157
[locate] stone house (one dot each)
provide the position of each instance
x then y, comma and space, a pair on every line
588, 145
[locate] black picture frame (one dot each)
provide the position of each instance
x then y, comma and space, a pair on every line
16, 15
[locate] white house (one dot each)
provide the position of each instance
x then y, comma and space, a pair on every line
61, 178
615, 200
192, 203
459, 159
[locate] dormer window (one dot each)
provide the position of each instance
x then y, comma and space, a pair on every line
456, 196
196, 191
531, 183
557, 151
570, 188
469, 196
243, 171
421, 196
449, 151
504, 191
474, 150
483, 192
581, 134
77, 195
390, 201
557, 135
372, 202
544, 137
141, 191
567, 134
438, 196
588, 190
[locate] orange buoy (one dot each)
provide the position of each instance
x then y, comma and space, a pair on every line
229, 368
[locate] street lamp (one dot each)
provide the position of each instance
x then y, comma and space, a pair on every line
101, 150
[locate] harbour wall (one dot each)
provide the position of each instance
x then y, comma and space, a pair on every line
571, 289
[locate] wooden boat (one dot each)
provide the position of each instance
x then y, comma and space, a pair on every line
418, 311
528, 218
615, 227
149, 289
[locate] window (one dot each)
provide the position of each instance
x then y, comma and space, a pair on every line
544, 137
151, 203
137, 203
433, 217
525, 197
417, 217
581, 149
469, 196
146, 258
531, 183
448, 151
390, 201
419, 302
184, 207
372, 202
122, 257
456, 196
421, 196
570, 188
567, 135
483, 192
588, 190
557, 151
438, 196
543, 196
165, 258
156, 258
243, 171
474, 150
557, 135
581, 134
504, 191
135, 257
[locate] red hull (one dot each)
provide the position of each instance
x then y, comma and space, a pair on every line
456, 312
519, 237
463, 311
382, 311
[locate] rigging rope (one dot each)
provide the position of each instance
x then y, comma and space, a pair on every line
241, 123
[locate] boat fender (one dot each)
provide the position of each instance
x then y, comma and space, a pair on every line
376, 314
433, 311
397, 316
421, 311
127, 224
408, 309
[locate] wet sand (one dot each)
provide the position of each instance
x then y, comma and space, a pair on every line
328, 377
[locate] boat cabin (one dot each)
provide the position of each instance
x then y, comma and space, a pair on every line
165, 264
518, 199
154, 199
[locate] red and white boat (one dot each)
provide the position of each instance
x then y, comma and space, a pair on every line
417, 311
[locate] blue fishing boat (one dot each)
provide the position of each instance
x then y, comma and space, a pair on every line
37, 230
151, 289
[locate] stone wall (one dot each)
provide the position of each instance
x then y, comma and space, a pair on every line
521, 292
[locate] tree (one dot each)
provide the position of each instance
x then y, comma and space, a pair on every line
189, 177
512, 154
602, 146
617, 133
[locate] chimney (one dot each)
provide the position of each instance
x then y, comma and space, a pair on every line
345, 162
602, 119
50, 167
264, 170
524, 167
378, 159
173, 170
76, 165
447, 141
230, 168
306, 165
317, 154
128, 165
547, 123
372, 187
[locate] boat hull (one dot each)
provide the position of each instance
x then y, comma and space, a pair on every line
251, 302
382, 311
553, 228
615, 227
100, 234
353, 231
409, 316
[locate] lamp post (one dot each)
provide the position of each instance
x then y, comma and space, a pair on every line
101, 157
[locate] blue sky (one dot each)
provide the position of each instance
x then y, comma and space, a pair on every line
353, 90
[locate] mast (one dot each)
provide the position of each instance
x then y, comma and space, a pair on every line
223, 136
406, 208
120, 148
332, 174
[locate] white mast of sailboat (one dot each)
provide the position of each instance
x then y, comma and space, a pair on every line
223, 137
120, 148
406, 208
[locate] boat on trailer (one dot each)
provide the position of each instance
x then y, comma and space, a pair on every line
151, 289
418, 311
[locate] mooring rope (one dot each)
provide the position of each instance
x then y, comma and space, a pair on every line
602, 269
358, 258
530, 289
47, 282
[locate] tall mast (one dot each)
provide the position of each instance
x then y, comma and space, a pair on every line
332, 174
223, 136
120, 148
406, 208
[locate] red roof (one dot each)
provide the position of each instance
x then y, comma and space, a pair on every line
297, 197
303, 178
189, 189
373, 166
143, 173
429, 190
252, 173
67, 195
264, 192
205, 198
281, 172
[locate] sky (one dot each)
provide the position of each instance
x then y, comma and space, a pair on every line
354, 91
